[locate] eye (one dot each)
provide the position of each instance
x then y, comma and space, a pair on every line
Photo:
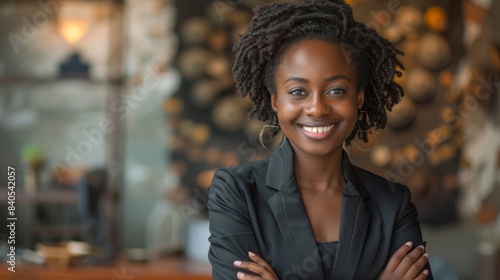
297, 92
336, 91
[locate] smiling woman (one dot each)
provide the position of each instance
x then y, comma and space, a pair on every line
316, 97
323, 79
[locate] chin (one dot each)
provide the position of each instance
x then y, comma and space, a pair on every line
318, 149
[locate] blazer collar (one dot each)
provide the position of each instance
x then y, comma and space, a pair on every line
290, 215
280, 171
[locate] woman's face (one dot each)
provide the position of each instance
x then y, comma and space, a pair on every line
316, 96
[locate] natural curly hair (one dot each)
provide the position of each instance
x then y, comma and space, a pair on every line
278, 25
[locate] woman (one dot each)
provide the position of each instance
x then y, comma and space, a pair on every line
307, 213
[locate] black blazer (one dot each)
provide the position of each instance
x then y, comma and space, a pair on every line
258, 207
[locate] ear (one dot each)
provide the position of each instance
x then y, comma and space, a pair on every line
274, 101
361, 98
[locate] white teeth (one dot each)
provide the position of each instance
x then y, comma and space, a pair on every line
317, 129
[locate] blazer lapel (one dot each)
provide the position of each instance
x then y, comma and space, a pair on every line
354, 223
291, 216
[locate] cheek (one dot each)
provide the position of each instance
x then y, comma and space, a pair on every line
286, 115
287, 109
348, 110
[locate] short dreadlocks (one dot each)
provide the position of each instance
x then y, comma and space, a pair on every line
278, 25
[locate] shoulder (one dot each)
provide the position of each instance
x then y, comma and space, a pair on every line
246, 172
238, 179
384, 190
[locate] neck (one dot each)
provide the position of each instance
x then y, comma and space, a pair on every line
320, 174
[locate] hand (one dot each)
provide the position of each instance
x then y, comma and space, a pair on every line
259, 266
406, 266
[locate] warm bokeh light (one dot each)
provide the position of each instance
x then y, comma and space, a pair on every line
73, 30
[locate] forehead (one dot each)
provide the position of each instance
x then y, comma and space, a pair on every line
315, 55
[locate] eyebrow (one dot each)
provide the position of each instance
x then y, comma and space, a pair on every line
329, 79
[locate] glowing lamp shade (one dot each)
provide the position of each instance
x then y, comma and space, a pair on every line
73, 30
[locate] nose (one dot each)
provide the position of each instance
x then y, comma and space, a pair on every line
317, 106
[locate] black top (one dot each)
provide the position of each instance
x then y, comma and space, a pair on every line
327, 251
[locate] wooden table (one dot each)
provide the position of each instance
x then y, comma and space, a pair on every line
174, 268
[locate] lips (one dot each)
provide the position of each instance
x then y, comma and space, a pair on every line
317, 131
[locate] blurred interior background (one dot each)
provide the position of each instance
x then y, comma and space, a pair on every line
116, 113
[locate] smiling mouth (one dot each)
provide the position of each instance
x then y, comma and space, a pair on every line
317, 129
317, 132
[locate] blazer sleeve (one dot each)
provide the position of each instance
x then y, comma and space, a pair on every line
407, 228
231, 232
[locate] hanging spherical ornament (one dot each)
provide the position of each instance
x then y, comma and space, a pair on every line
381, 155
434, 158
420, 85
402, 114
173, 106
446, 78
200, 134
393, 33
411, 22
228, 115
218, 40
218, 67
434, 51
204, 92
413, 154
192, 62
194, 31
447, 152
436, 19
